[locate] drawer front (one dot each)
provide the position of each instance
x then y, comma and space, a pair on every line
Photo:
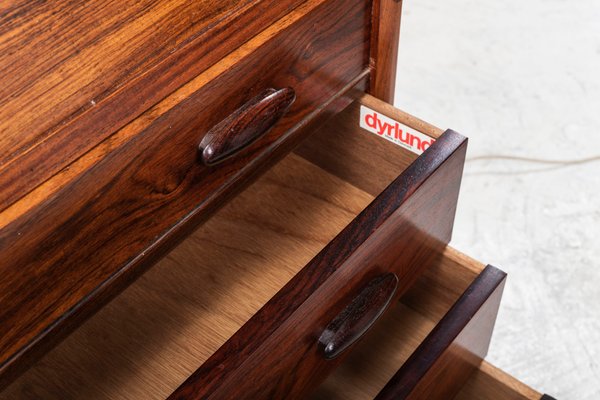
445, 360
101, 65
276, 354
130, 199
431, 345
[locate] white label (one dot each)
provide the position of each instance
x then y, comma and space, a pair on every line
394, 131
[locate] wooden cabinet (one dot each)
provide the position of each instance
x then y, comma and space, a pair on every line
91, 234
312, 248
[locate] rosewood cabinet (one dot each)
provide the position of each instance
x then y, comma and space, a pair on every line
215, 199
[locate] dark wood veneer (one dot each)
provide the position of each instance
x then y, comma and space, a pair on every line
358, 316
67, 256
74, 73
275, 354
245, 125
444, 361
384, 48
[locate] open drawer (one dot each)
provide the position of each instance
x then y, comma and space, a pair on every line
238, 310
432, 344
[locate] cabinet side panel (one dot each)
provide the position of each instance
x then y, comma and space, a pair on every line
384, 48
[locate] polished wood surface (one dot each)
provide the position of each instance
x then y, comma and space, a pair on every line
75, 72
390, 344
95, 227
377, 357
432, 296
384, 48
404, 226
375, 360
447, 357
358, 316
245, 125
151, 337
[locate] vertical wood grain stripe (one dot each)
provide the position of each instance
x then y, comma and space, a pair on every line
384, 48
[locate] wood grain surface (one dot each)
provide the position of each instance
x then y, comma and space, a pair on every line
151, 337
359, 315
75, 72
491, 383
114, 212
448, 356
389, 345
245, 125
384, 48
365, 160
404, 226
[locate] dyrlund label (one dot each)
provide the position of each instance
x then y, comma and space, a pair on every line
394, 131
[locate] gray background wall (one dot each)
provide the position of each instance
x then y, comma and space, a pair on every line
522, 78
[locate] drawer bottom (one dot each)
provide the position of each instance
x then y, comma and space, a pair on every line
491, 383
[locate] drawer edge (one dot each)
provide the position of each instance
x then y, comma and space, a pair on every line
461, 339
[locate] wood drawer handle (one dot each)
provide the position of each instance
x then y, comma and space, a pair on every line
245, 125
358, 316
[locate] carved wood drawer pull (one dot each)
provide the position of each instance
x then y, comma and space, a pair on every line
358, 316
245, 125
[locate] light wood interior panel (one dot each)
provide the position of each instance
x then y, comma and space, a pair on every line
491, 383
369, 162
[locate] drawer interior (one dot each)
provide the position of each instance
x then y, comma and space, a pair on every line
376, 359
150, 338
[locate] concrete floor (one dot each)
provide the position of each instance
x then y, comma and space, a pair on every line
522, 78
